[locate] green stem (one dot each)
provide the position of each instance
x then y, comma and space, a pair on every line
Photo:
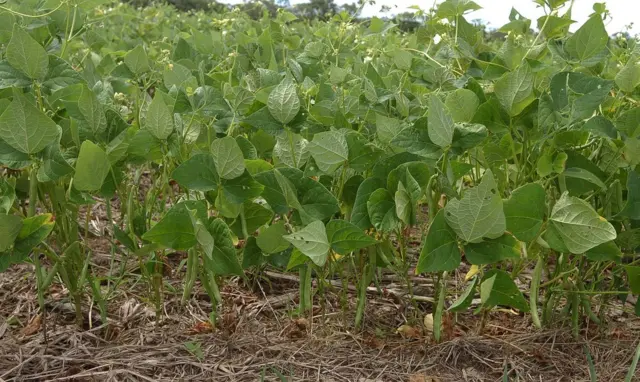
33, 191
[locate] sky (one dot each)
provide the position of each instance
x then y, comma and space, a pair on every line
495, 13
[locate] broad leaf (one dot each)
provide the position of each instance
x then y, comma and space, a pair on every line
225, 258
329, 150
345, 237
515, 90
137, 61
579, 225
312, 241
175, 230
462, 104
159, 119
479, 214
525, 211
92, 167
271, 239
587, 44
198, 173
497, 288
441, 123
283, 102
25, 128
632, 208
440, 250
360, 214
382, 210
227, 157
10, 226
27, 55
492, 251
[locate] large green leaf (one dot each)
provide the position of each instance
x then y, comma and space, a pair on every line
92, 167
159, 119
198, 173
479, 214
252, 254
271, 239
587, 44
27, 55
492, 251
291, 149
441, 125
440, 249
25, 128
633, 274
345, 237
255, 216
628, 78
462, 104
579, 225
360, 214
137, 61
497, 288
329, 149
608, 251
225, 258
632, 208
382, 210
312, 241
227, 157
175, 230
7, 194
525, 211
33, 232
283, 102
10, 226
515, 90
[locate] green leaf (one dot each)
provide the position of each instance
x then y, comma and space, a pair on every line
92, 167
479, 214
7, 194
137, 61
283, 102
255, 216
402, 59
27, 55
54, 165
441, 123
25, 128
291, 149
198, 173
12, 77
632, 208
61, 74
497, 288
492, 251
462, 104
440, 250
360, 214
515, 90
312, 241
242, 188
175, 230
271, 239
588, 42
382, 210
464, 301
159, 119
330, 150
224, 258
525, 211
227, 157
34, 230
628, 78
346, 237
608, 251
633, 274
579, 225
252, 254
387, 128
10, 226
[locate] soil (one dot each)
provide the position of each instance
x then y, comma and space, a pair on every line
259, 337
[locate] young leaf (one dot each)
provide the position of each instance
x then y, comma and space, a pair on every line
360, 214
227, 157
462, 104
330, 150
441, 123
515, 90
492, 251
25, 128
345, 237
525, 210
283, 102
440, 250
497, 288
27, 55
312, 241
464, 301
479, 214
159, 119
34, 230
579, 225
92, 167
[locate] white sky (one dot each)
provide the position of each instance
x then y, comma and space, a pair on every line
496, 12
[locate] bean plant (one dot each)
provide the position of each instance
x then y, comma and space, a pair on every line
324, 148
